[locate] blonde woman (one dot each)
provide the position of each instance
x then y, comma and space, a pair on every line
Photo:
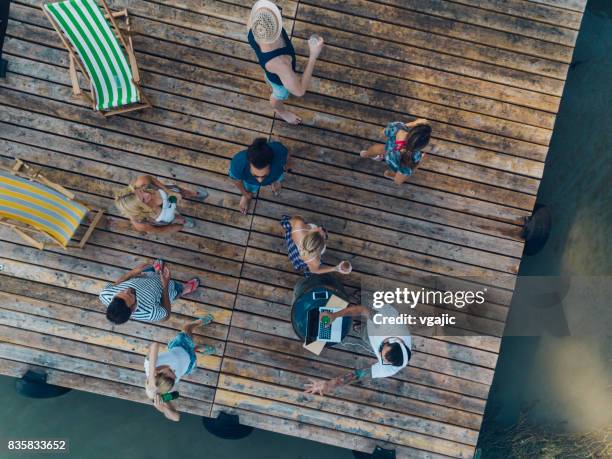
306, 243
164, 370
151, 206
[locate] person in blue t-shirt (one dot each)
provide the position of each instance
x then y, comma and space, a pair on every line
263, 163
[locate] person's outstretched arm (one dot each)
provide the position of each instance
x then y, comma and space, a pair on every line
164, 275
325, 387
133, 273
150, 387
294, 84
352, 310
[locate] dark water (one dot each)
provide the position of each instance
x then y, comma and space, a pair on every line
570, 378
106, 428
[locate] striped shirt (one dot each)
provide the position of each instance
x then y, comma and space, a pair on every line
149, 290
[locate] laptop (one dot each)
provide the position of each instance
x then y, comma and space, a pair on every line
317, 331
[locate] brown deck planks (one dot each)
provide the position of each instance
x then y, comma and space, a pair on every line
488, 74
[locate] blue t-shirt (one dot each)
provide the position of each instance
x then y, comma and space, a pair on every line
240, 168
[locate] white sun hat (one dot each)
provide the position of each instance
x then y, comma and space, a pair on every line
266, 21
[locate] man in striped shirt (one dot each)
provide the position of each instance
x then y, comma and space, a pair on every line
145, 293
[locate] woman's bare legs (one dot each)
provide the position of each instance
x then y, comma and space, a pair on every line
189, 327
188, 330
288, 116
375, 150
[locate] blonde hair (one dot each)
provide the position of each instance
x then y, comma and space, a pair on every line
163, 383
312, 246
130, 206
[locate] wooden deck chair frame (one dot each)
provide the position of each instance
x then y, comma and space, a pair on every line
26, 232
125, 37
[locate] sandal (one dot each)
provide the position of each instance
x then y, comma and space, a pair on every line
190, 286
363, 154
207, 350
188, 223
207, 319
201, 194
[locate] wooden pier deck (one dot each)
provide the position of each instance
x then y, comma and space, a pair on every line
489, 75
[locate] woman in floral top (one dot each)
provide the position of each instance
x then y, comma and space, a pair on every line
402, 151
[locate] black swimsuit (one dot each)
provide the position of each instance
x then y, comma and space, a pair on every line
265, 57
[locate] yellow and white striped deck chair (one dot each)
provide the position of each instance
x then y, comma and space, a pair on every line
103, 52
30, 203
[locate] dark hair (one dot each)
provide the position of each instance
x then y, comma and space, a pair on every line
417, 139
259, 153
118, 311
395, 355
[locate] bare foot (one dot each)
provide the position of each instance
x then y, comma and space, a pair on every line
390, 174
289, 117
190, 286
244, 204
276, 187
188, 193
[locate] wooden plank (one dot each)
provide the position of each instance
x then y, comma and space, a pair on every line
311, 432
414, 401
204, 235
486, 70
79, 348
363, 257
214, 336
574, 5
370, 27
438, 27
530, 10
282, 396
486, 95
376, 100
291, 393
91, 368
397, 222
19, 266
521, 25
306, 416
426, 345
65, 338
278, 329
95, 385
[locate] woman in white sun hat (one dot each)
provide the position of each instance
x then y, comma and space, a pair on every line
276, 56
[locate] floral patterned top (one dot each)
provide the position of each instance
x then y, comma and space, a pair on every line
393, 155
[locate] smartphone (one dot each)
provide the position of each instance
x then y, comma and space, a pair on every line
324, 295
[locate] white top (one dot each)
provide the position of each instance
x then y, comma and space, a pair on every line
176, 358
379, 333
311, 226
168, 210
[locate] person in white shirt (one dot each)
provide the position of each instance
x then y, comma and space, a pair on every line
165, 370
391, 344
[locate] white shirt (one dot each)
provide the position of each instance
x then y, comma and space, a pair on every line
379, 333
176, 358
168, 210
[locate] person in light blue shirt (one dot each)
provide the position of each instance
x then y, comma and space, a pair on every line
263, 163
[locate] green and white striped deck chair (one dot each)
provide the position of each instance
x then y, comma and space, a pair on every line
102, 51
30, 203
